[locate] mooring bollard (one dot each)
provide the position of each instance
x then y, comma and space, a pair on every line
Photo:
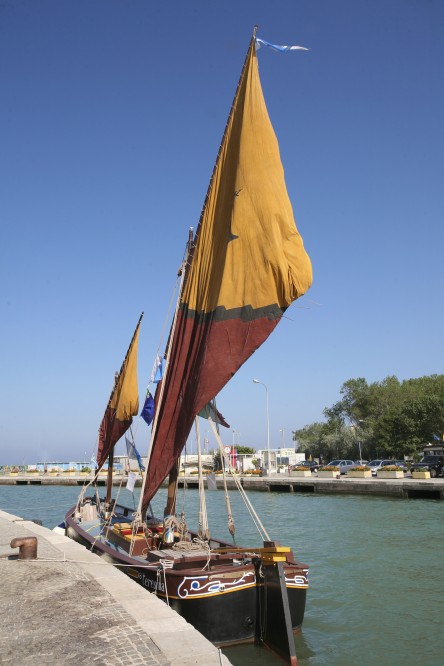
27, 547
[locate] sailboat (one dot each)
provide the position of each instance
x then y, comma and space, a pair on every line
242, 269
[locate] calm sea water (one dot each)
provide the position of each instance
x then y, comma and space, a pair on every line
376, 575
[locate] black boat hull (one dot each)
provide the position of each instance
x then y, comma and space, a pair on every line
229, 619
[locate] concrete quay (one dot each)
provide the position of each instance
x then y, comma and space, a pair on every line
23, 479
405, 488
70, 607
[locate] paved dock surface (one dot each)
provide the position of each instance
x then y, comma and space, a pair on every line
69, 607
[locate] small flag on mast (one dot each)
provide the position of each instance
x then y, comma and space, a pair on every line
210, 411
133, 454
147, 412
157, 371
277, 47
132, 477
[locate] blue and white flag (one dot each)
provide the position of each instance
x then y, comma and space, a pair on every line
277, 47
133, 454
147, 412
132, 477
157, 371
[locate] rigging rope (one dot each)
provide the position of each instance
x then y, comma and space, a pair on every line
113, 504
256, 520
175, 524
223, 460
196, 544
203, 530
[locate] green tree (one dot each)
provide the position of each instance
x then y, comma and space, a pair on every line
354, 404
407, 427
325, 441
245, 450
389, 418
217, 464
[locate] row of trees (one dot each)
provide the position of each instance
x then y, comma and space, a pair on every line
387, 419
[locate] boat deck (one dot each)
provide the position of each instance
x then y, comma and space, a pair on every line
192, 557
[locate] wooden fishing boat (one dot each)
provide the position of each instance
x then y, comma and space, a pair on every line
217, 587
242, 269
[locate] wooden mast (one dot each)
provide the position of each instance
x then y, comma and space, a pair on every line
182, 273
170, 507
109, 484
109, 477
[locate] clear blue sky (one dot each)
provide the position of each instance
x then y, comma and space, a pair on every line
111, 115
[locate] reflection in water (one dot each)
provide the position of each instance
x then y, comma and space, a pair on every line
250, 655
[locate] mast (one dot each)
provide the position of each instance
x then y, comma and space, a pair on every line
109, 484
170, 508
109, 476
183, 271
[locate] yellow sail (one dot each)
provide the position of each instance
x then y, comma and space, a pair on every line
248, 250
123, 403
125, 399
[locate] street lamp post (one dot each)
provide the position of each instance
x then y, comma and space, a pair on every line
359, 441
233, 448
256, 381
355, 427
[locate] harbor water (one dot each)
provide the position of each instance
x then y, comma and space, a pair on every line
376, 578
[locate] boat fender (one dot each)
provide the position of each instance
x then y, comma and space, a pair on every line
27, 547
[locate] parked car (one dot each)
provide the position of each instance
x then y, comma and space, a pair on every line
344, 465
401, 464
309, 464
377, 464
433, 464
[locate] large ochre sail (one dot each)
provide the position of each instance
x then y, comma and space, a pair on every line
247, 266
123, 403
